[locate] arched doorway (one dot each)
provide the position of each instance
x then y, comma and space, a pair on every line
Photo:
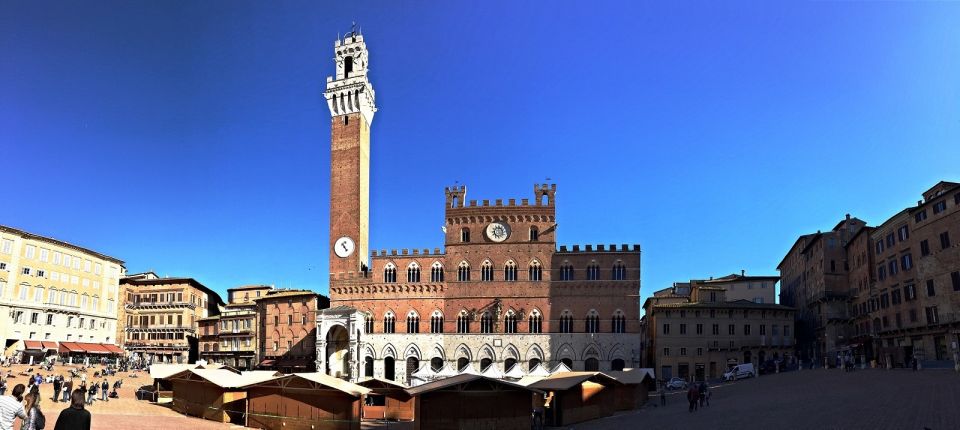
462, 363
338, 353
591, 365
412, 366
534, 362
568, 362
508, 364
484, 363
436, 363
617, 365
368, 367
389, 368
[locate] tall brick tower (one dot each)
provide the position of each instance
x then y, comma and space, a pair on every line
350, 98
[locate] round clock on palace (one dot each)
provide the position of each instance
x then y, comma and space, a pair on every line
343, 247
498, 231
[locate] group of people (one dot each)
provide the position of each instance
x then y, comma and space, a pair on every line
27, 408
698, 394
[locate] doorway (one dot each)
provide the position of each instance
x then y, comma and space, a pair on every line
338, 342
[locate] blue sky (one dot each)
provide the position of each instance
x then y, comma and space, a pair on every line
191, 138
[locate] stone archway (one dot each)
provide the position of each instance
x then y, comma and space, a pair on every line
338, 352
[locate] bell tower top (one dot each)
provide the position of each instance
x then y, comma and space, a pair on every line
350, 91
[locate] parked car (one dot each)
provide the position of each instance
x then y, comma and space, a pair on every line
676, 383
739, 371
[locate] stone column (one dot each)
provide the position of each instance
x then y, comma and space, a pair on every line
322, 355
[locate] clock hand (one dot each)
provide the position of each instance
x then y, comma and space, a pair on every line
344, 245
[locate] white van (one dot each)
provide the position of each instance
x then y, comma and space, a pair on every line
744, 370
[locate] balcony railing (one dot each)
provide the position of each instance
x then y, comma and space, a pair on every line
159, 305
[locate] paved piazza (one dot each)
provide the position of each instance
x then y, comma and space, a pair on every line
123, 413
811, 399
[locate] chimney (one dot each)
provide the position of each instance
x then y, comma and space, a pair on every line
744, 272
848, 217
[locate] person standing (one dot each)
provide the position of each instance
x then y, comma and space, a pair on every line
104, 390
32, 408
692, 396
57, 384
75, 417
701, 392
663, 395
67, 389
11, 408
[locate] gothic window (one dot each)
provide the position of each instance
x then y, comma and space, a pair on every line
486, 323
535, 272
463, 272
535, 322
347, 66
619, 271
566, 322
463, 322
413, 322
465, 235
510, 271
593, 271
619, 323
413, 273
436, 272
486, 271
534, 234
390, 273
436, 322
368, 323
388, 322
566, 272
510, 323
592, 322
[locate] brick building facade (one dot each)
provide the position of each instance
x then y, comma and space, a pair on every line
231, 338
287, 323
499, 293
892, 292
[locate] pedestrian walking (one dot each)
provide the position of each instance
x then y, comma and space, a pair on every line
75, 417
663, 395
67, 389
104, 390
692, 396
11, 408
91, 393
701, 393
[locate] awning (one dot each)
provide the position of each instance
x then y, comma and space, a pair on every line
267, 362
113, 349
32, 344
49, 345
70, 347
94, 348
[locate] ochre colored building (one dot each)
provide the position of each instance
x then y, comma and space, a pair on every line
231, 338
287, 323
500, 292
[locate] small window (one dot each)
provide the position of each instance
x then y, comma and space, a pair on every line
465, 235
534, 234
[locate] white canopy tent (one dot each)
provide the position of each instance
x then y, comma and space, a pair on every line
561, 367
515, 372
539, 371
492, 371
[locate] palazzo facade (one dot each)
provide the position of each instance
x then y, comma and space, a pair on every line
499, 293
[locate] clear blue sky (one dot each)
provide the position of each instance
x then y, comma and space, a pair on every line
190, 137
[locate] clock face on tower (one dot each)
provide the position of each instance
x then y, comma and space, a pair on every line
344, 247
498, 231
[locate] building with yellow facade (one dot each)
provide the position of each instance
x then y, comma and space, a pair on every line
53, 292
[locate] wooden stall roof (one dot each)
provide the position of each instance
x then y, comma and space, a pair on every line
462, 379
374, 383
566, 380
632, 376
164, 371
314, 380
226, 379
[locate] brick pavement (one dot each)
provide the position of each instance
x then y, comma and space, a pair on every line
811, 399
123, 413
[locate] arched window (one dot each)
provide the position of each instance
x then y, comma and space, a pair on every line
463, 322
413, 273
486, 271
436, 272
619, 271
485, 363
465, 235
593, 271
413, 322
509, 363
436, 322
534, 233
566, 322
389, 273
592, 322
389, 368
388, 322
617, 365
462, 363
535, 322
368, 366
566, 272
532, 364
591, 365
436, 363
510, 271
486, 323
619, 322
463, 272
535, 271
510, 322
368, 323
568, 362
